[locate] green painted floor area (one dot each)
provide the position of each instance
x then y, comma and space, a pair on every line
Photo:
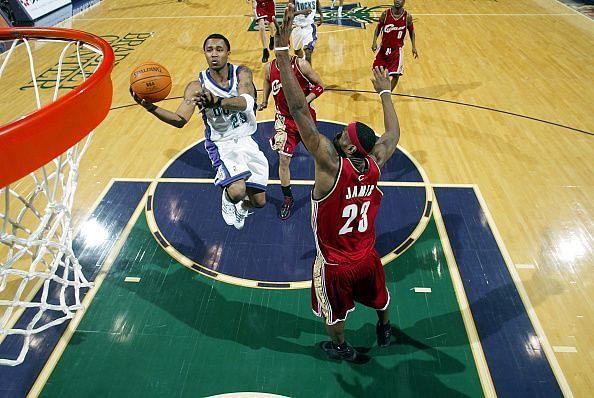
177, 333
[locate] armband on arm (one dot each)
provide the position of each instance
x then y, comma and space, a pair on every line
317, 90
249, 101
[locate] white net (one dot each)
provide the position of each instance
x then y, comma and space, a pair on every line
40, 276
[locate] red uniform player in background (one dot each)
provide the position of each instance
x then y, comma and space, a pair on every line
287, 137
393, 25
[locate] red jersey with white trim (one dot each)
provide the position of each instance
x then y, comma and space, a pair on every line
344, 220
393, 30
279, 96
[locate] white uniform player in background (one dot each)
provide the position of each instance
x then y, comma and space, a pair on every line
226, 96
303, 36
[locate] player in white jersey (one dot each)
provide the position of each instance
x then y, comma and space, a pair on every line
226, 97
304, 35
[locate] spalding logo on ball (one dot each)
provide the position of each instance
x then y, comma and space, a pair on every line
151, 81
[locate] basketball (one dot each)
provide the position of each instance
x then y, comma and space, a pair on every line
151, 81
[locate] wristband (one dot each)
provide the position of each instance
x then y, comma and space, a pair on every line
152, 108
286, 48
218, 102
384, 91
317, 90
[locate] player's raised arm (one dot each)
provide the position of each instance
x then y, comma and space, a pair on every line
180, 117
386, 144
320, 147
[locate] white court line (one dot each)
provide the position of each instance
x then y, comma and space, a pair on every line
531, 312
163, 17
467, 317
497, 15
562, 348
133, 279
246, 16
525, 266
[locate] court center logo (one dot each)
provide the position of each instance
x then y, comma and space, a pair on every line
353, 15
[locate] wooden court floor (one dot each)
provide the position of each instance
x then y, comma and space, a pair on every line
500, 98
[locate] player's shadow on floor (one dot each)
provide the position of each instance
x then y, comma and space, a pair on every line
420, 377
219, 317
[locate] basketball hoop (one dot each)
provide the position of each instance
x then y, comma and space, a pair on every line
39, 158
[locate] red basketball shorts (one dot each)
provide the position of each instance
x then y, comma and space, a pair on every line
265, 10
287, 133
390, 58
336, 287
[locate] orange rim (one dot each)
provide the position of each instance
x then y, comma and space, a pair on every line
32, 141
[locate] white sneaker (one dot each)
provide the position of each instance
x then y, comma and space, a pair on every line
228, 210
241, 212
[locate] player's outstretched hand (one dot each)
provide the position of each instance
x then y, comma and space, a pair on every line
205, 99
283, 33
380, 79
415, 53
262, 106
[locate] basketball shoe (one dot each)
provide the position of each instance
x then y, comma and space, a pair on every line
228, 209
333, 351
384, 333
286, 208
241, 212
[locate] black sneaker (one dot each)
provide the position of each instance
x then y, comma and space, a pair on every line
271, 43
384, 333
265, 55
348, 353
286, 208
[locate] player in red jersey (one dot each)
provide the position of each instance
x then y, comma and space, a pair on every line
393, 24
345, 201
265, 12
287, 137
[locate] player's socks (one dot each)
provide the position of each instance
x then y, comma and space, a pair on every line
332, 5
339, 11
286, 190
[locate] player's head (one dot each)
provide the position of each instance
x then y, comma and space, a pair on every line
216, 49
399, 3
355, 141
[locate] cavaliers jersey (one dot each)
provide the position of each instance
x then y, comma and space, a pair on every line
393, 30
282, 108
302, 20
224, 124
344, 220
